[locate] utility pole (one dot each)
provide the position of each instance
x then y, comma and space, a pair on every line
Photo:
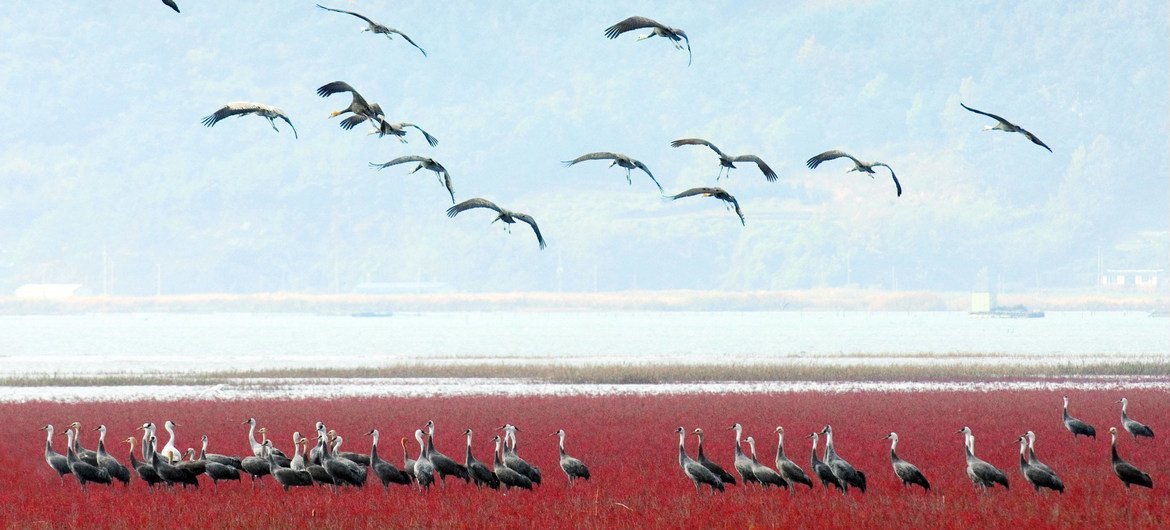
105, 271
157, 279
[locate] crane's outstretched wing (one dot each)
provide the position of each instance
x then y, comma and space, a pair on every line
430, 139
632, 23
352, 121
696, 191
767, 171
346, 12
531, 222
738, 212
336, 87
830, 155
897, 184
988, 114
412, 43
1034, 139
171, 4
237, 108
638, 164
286, 120
600, 155
698, 141
399, 160
471, 203
690, 57
449, 184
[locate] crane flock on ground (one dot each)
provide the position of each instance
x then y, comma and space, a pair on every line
326, 464
323, 465
361, 110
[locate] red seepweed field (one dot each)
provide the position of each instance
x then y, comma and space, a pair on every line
630, 446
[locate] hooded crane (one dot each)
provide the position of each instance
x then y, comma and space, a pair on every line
1032, 460
358, 106
512, 457
169, 473
107, 461
1007, 126
480, 474
694, 470
1133, 427
343, 470
982, 474
907, 472
572, 467
424, 470
858, 165
424, 163
288, 477
384, 128
821, 469
407, 461
243, 108
764, 474
377, 28
507, 216
788, 469
58, 462
171, 4
1126, 471
619, 160
443, 464
1037, 477
84, 472
743, 464
360, 459
385, 471
728, 162
507, 476
724, 476
142, 469
678, 36
316, 470
277, 454
717, 193
85, 455
1077, 427
845, 472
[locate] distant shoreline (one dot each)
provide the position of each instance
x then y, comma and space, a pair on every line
836, 299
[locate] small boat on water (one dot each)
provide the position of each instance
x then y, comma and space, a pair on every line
1015, 311
373, 314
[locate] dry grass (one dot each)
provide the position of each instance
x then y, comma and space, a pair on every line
621, 374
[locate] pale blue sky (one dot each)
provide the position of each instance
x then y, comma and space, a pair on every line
101, 145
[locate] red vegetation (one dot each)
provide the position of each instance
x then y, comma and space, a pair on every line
629, 444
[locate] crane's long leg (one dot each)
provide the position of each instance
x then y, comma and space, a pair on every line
629, 181
273, 124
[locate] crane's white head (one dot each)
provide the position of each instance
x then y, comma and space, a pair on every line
1113, 431
965, 430
815, 436
892, 436
170, 424
467, 432
373, 432
100, 428
47, 428
779, 430
827, 430
697, 432
736, 427
418, 435
1031, 436
250, 421
1123, 402
680, 430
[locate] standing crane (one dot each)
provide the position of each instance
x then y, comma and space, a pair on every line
244, 108
424, 163
787, 468
845, 472
1077, 427
619, 160
480, 474
1128, 473
59, 463
907, 472
443, 464
507, 216
1133, 427
285, 476
1007, 126
1032, 460
507, 476
1037, 477
572, 467
821, 469
377, 29
718, 470
694, 470
676, 35
764, 474
858, 165
512, 457
142, 469
982, 474
718, 193
727, 162
743, 464
424, 470
385, 471
107, 461
407, 461
85, 455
